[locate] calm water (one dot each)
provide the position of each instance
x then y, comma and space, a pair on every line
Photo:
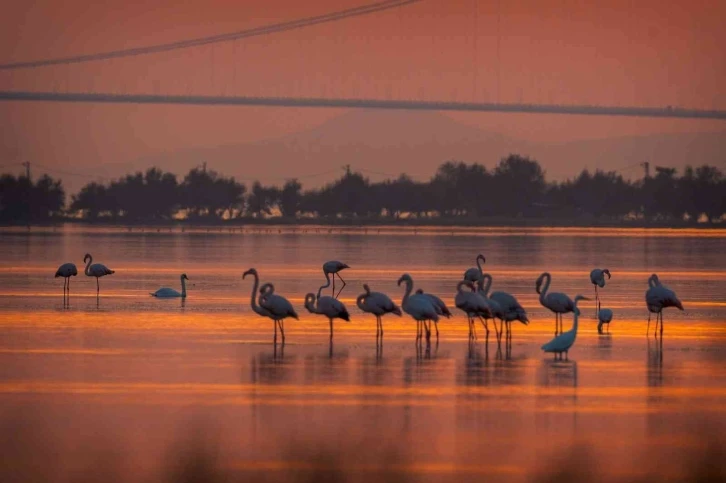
143, 388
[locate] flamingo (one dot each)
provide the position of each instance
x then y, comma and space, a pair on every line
277, 305
253, 304
439, 306
333, 267
96, 270
418, 306
604, 316
472, 274
511, 309
378, 304
597, 278
67, 270
657, 298
327, 306
494, 307
471, 303
170, 292
557, 302
564, 341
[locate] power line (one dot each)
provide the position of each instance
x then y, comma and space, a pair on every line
183, 44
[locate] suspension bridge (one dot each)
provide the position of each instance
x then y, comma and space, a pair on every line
73, 90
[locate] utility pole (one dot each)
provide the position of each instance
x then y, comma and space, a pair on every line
646, 166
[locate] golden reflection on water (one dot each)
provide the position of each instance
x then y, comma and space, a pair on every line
142, 371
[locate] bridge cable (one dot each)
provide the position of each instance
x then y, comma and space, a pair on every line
183, 44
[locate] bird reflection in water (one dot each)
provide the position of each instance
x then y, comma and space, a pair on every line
557, 373
605, 343
655, 362
475, 366
270, 368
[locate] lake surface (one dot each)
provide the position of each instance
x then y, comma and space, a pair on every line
131, 388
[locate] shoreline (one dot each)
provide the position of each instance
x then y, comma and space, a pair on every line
477, 223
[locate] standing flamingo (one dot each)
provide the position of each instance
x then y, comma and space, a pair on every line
167, 292
253, 303
277, 305
604, 316
564, 341
472, 274
96, 270
511, 310
597, 278
418, 306
333, 267
439, 306
471, 303
557, 302
67, 270
327, 306
494, 307
378, 304
657, 298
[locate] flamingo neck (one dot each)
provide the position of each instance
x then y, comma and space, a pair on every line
253, 302
478, 262
543, 290
409, 287
484, 289
310, 304
327, 278
88, 265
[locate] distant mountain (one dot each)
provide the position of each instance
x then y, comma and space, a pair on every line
392, 142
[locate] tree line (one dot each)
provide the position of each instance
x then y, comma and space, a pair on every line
515, 188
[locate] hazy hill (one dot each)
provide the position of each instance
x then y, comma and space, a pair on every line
392, 142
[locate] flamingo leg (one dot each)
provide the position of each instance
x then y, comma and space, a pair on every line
597, 301
436, 324
331, 329
98, 287
661, 325
379, 318
275, 323
556, 323
341, 288
282, 330
647, 329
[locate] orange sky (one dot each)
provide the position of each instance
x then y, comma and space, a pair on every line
621, 53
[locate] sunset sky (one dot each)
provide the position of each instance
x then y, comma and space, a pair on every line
615, 53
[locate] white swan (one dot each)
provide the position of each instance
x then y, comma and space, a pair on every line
167, 292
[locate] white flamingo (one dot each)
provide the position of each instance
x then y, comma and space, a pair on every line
472, 274
439, 306
418, 306
472, 304
167, 292
97, 270
657, 298
253, 302
67, 270
378, 304
277, 305
604, 316
327, 306
333, 267
564, 341
597, 278
557, 302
